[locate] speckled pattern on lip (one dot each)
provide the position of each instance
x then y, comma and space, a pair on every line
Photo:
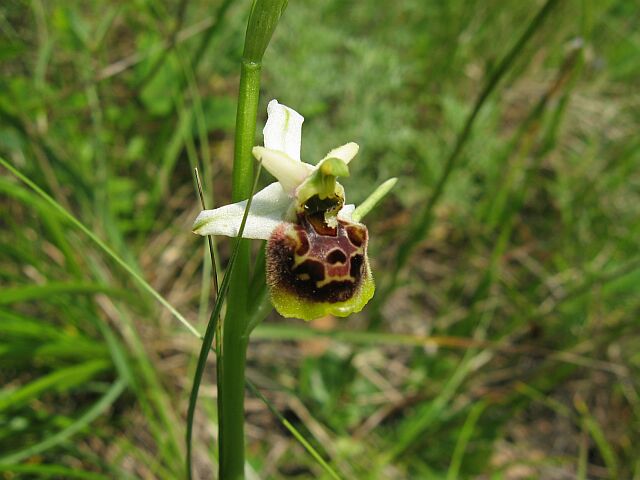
318, 264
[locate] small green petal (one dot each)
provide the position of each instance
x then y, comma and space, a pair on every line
333, 167
345, 152
322, 182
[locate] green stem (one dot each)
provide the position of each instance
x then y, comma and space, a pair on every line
246, 129
231, 382
263, 18
232, 358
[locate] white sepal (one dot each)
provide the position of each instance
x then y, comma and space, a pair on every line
283, 130
268, 208
289, 172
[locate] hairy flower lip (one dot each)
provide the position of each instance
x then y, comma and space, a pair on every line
312, 273
345, 152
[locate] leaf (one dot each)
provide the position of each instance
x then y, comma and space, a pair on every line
60, 380
79, 424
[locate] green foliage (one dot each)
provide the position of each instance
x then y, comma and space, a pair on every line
509, 342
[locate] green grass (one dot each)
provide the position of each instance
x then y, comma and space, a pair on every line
507, 344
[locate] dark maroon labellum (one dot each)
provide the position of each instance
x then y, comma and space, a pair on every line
316, 262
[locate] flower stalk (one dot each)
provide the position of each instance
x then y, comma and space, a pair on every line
231, 357
315, 262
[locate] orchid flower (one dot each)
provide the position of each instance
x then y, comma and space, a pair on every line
316, 253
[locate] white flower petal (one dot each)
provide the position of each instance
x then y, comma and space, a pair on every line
346, 212
345, 153
283, 131
289, 172
268, 208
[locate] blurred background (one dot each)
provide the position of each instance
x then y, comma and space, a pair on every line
503, 341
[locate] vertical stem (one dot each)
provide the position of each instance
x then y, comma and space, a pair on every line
232, 356
232, 348
246, 129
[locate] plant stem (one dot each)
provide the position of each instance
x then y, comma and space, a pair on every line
246, 129
232, 357
263, 18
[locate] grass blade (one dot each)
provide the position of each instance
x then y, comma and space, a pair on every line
144, 284
308, 447
422, 225
59, 379
207, 340
52, 289
103, 246
83, 421
606, 450
463, 440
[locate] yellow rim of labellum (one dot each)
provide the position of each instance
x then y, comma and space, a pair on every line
290, 305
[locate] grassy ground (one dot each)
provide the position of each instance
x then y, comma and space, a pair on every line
503, 341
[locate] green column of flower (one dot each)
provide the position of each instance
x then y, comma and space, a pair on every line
263, 19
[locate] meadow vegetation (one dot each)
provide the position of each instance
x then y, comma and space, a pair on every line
503, 341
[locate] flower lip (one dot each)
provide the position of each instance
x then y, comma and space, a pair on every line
311, 274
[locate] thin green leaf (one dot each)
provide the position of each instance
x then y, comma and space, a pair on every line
82, 422
103, 246
312, 451
59, 380
463, 440
372, 200
422, 225
52, 289
604, 447
14, 325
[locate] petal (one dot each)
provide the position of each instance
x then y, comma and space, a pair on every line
345, 153
346, 212
333, 166
283, 131
289, 172
268, 208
